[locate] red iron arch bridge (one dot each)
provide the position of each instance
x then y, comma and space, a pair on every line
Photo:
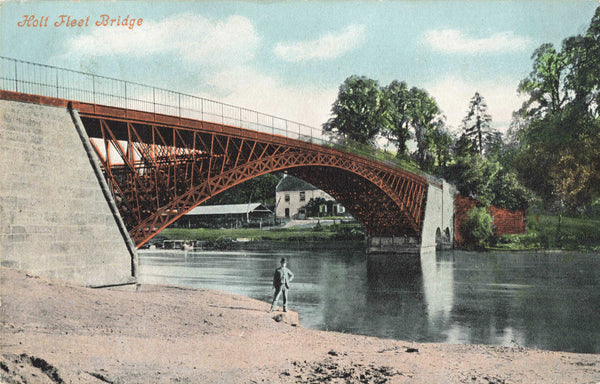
163, 153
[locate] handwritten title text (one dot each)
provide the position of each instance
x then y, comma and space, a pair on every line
67, 21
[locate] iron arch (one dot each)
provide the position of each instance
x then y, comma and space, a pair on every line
158, 172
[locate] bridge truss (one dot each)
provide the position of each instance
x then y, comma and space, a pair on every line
160, 167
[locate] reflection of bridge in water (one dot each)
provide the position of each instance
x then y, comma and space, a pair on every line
163, 153
431, 279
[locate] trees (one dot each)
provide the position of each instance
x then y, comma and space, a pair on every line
360, 110
476, 124
364, 111
261, 188
559, 124
400, 115
508, 191
478, 227
491, 180
440, 146
545, 84
583, 61
426, 119
313, 207
472, 174
414, 109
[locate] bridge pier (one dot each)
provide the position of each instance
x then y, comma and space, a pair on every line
437, 230
393, 244
55, 218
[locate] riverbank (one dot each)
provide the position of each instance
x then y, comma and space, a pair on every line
306, 232
54, 332
544, 232
554, 232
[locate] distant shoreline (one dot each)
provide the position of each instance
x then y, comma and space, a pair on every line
544, 233
329, 236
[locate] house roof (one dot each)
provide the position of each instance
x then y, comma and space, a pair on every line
291, 183
229, 209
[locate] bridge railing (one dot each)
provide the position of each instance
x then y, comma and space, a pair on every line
45, 80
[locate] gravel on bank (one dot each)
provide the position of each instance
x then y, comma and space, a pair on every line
52, 332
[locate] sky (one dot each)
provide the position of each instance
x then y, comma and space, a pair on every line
289, 58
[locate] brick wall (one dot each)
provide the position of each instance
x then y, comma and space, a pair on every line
505, 220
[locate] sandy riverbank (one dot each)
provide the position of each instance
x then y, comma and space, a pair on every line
53, 333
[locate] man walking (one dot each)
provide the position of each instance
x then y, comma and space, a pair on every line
281, 282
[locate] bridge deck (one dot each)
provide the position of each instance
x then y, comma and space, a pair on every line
387, 200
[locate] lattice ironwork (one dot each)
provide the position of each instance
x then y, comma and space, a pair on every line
159, 171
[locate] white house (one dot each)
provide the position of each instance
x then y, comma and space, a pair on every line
292, 195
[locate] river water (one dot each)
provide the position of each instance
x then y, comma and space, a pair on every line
539, 300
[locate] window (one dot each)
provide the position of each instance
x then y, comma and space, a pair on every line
323, 208
287, 197
302, 196
341, 208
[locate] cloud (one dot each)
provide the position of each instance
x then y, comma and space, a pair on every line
244, 86
221, 52
453, 95
329, 46
193, 38
455, 41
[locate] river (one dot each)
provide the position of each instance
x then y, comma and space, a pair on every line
545, 300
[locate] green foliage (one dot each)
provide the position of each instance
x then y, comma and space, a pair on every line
583, 57
592, 210
464, 147
555, 135
545, 84
261, 188
486, 179
364, 112
440, 146
400, 116
401, 110
426, 119
493, 145
478, 227
369, 151
508, 191
555, 232
360, 110
474, 176
476, 167
576, 175
313, 206
476, 124
346, 231
558, 127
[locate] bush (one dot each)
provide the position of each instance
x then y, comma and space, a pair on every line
478, 228
592, 211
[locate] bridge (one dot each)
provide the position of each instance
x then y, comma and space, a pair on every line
162, 153
160, 167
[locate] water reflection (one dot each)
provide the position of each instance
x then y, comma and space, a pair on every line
395, 296
438, 286
547, 301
